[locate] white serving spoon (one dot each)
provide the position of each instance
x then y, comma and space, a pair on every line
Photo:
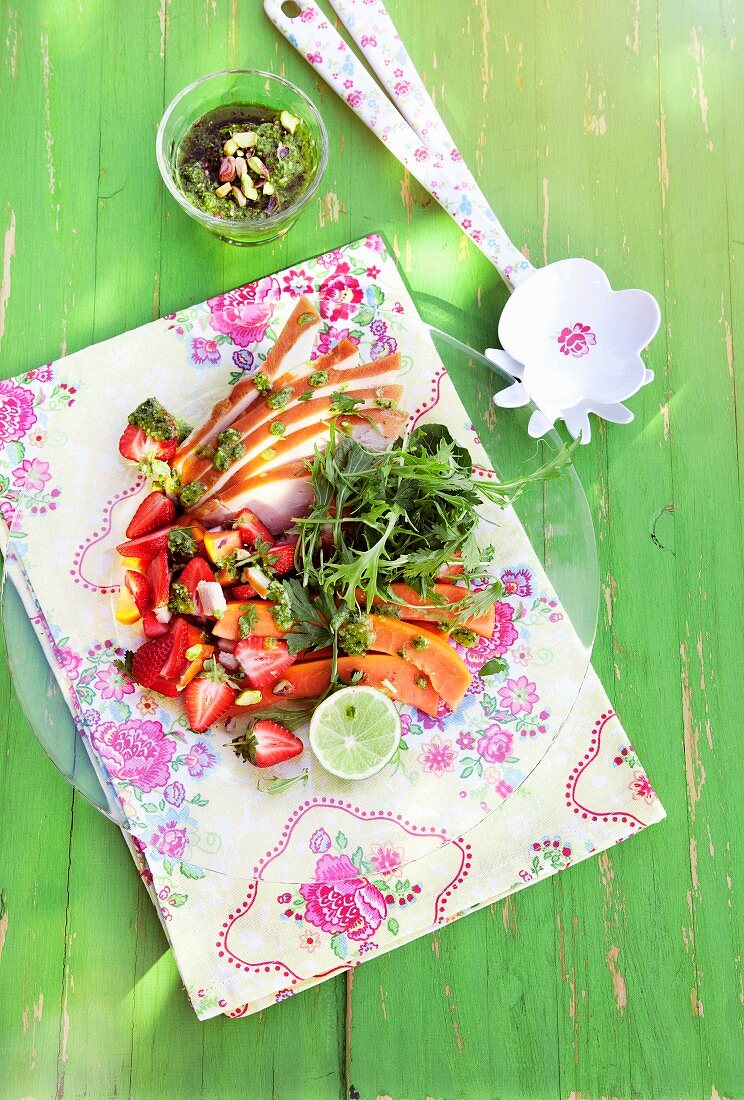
572, 343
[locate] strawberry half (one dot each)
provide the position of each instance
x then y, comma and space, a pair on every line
139, 588
197, 570
270, 744
178, 636
252, 530
158, 576
263, 660
147, 546
152, 625
242, 592
155, 511
135, 445
208, 697
147, 664
281, 557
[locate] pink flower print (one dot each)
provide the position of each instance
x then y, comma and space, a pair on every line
297, 283
244, 314
517, 582
373, 272
386, 345
500, 786
348, 84
374, 242
495, 745
402, 87
199, 759
175, 793
307, 15
328, 340
243, 359
368, 40
385, 859
398, 307
405, 725
398, 73
518, 696
521, 655
641, 787
466, 223
465, 740
455, 156
112, 684
204, 351
309, 941
437, 723
477, 236
70, 661
38, 438
354, 98
16, 411
438, 756
320, 841
378, 327
169, 840
137, 752
341, 901
504, 634
32, 475
41, 374
315, 58
331, 259
148, 704
421, 154
340, 294
576, 341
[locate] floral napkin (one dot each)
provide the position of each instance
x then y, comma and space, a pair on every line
264, 895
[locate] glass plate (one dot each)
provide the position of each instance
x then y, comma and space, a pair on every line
555, 516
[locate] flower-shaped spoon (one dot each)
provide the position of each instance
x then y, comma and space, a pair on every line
571, 342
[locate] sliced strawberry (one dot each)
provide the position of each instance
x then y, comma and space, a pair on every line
152, 625
263, 660
197, 570
178, 636
208, 697
158, 576
155, 511
270, 744
147, 546
281, 557
139, 588
252, 530
148, 662
135, 445
243, 592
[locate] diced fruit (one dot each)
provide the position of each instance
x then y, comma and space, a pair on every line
135, 444
220, 544
139, 565
281, 557
258, 579
226, 578
248, 699
242, 592
152, 626
263, 660
227, 626
158, 576
147, 546
451, 593
155, 511
196, 656
251, 529
211, 599
178, 638
139, 588
208, 697
127, 611
148, 662
449, 675
196, 570
270, 744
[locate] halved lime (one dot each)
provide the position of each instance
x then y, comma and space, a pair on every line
355, 732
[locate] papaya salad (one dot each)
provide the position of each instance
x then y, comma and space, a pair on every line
302, 540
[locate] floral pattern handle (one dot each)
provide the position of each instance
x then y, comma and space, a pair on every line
370, 25
312, 36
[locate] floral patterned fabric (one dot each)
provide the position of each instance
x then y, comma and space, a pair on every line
263, 896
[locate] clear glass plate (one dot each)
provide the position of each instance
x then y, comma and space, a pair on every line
555, 516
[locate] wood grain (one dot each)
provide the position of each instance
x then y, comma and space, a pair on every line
610, 131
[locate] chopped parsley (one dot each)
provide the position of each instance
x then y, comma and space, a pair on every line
184, 429
182, 546
247, 622
192, 493
230, 448
279, 399
345, 403
306, 395
277, 428
261, 382
318, 378
306, 319
180, 602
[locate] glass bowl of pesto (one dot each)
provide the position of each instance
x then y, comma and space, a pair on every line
242, 151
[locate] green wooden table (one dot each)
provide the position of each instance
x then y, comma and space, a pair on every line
609, 130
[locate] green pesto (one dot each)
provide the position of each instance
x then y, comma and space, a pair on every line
153, 419
180, 602
182, 545
191, 493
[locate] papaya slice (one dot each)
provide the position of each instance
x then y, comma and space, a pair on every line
452, 593
445, 668
227, 626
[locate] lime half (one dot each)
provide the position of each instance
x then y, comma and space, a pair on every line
355, 732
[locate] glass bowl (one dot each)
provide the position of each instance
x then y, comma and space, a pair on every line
561, 566
221, 89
